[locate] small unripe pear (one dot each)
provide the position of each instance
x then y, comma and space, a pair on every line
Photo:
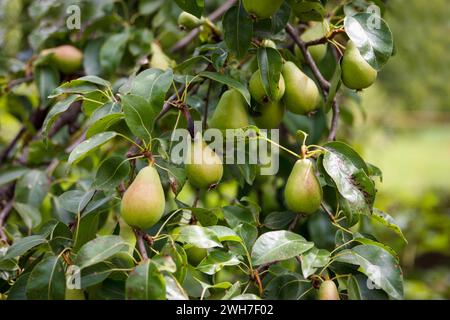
262, 9
159, 59
267, 43
188, 21
301, 95
271, 115
66, 58
328, 291
143, 203
231, 111
317, 52
303, 193
195, 255
203, 166
257, 89
357, 74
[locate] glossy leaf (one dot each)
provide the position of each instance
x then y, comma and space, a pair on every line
145, 283
270, 65
111, 172
89, 145
47, 281
139, 116
229, 81
99, 250
238, 30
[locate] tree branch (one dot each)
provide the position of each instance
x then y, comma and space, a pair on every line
5, 153
324, 84
334, 120
3, 215
140, 235
212, 17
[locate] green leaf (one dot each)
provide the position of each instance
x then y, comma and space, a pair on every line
103, 118
11, 173
335, 83
18, 291
32, 188
236, 215
229, 81
194, 7
47, 79
99, 249
152, 85
378, 265
238, 30
95, 274
386, 220
111, 172
270, 65
313, 259
85, 231
358, 289
372, 36
90, 145
76, 86
56, 110
206, 217
139, 116
216, 260
225, 234
174, 291
29, 214
145, 283
198, 236
279, 220
246, 296
308, 10
278, 245
112, 51
287, 286
95, 80
23, 245
47, 280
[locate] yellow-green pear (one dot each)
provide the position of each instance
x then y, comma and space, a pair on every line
257, 89
231, 111
301, 95
356, 72
66, 58
317, 31
195, 255
188, 21
204, 167
159, 59
262, 9
74, 294
328, 291
267, 43
303, 193
143, 202
271, 115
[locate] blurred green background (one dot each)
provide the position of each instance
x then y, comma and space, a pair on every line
403, 127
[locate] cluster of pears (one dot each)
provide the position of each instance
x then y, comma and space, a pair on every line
143, 203
303, 193
357, 74
294, 91
66, 58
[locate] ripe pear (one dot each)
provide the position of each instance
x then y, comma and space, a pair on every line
66, 58
143, 203
230, 112
271, 115
159, 59
328, 291
262, 9
303, 193
188, 21
356, 72
301, 95
317, 52
195, 255
257, 89
204, 167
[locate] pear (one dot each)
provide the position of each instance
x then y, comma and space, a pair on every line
195, 255
356, 72
74, 294
301, 95
188, 21
303, 193
257, 89
159, 59
262, 9
143, 203
271, 115
317, 52
204, 167
230, 112
328, 291
66, 58
267, 43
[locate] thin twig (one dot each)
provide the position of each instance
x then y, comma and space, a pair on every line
294, 222
141, 244
212, 17
329, 213
16, 82
3, 215
324, 39
5, 153
334, 121
168, 104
